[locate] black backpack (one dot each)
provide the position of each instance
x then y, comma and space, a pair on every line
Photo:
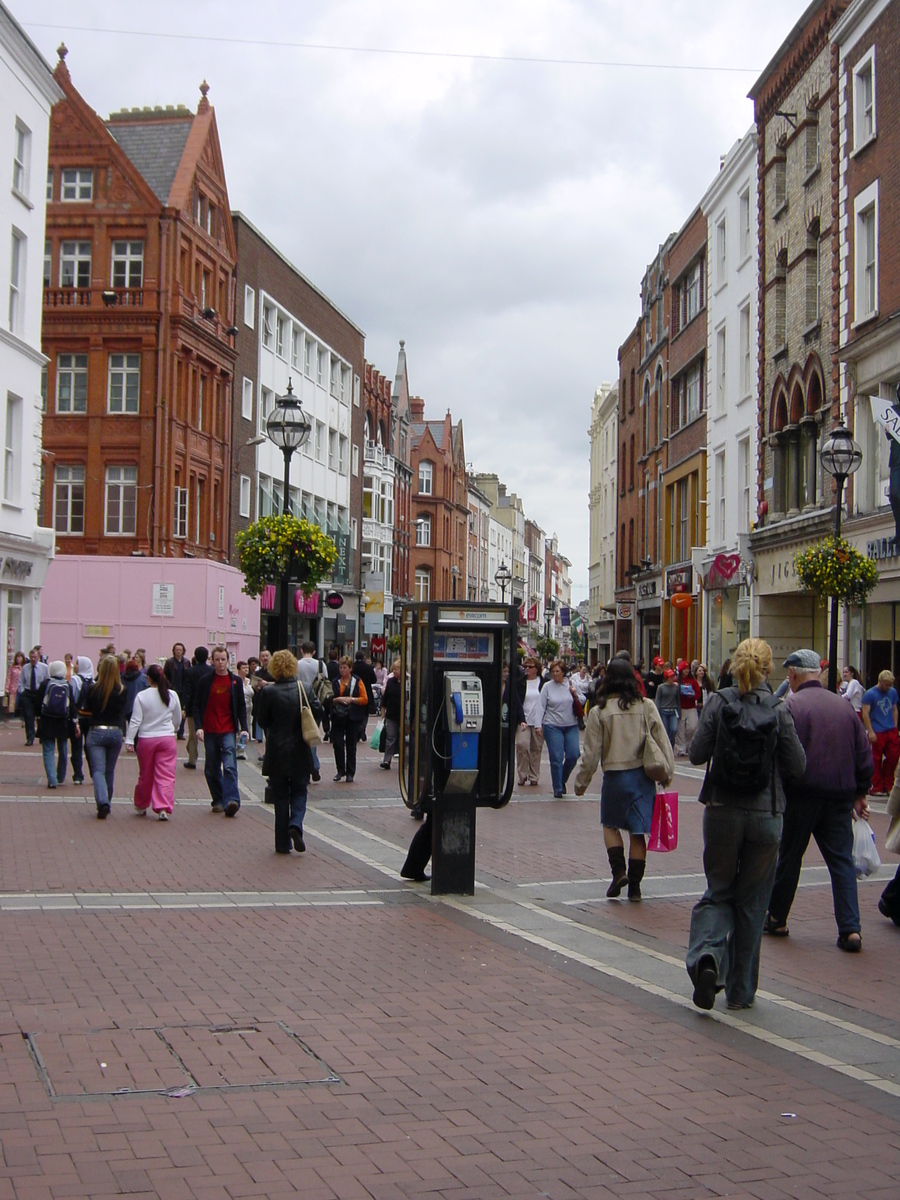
746, 739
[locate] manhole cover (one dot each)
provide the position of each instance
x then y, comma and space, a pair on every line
175, 1059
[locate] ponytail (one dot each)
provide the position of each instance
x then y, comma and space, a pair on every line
157, 677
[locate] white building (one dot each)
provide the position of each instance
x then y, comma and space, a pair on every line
601, 620
29, 92
478, 581
730, 209
500, 551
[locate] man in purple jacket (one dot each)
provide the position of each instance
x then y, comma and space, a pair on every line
836, 781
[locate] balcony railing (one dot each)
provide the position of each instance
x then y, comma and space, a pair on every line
67, 297
379, 456
75, 297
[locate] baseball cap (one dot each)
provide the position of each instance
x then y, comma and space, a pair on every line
668, 673
657, 662
804, 660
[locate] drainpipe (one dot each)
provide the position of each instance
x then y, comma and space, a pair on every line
159, 414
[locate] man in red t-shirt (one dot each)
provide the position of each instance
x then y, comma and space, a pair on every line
220, 715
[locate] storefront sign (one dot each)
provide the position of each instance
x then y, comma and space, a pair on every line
776, 572
98, 631
882, 548
679, 579
624, 612
306, 606
646, 589
724, 572
18, 569
163, 604
334, 600
374, 598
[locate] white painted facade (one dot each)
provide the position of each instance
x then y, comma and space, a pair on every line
26, 97
602, 514
732, 314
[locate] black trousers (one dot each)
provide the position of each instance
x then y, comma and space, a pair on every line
28, 707
419, 853
344, 736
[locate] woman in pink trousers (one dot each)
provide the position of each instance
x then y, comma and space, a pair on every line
155, 722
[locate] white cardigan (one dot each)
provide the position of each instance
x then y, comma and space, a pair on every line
151, 719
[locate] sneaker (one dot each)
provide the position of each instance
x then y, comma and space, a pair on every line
52, 786
162, 815
240, 754
78, 780
385, 766
217, 808
231, 808
140, 812
189, 766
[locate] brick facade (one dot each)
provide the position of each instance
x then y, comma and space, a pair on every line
441, 499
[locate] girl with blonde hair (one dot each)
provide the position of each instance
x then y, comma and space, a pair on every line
742, 825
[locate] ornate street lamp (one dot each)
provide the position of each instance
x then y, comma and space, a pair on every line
840, 456
502, 580
288, 427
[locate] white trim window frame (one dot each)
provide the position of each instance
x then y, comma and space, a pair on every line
120, 502
12, 450
426, 478
865, 254
746, 352
22, 160
75, 264
71, 383
744, 222
266, 405
124, 384
423, 585
721, 369
249, 306
246, 399
721, 251
76, 185
127, 270
180, 514
864, 123
17, 255
244, 499
423, 531
68, 500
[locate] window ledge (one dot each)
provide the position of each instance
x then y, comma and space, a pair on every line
813, 329
862, 145
11, 504
782, 208
745, 398
780, 350
811, 174
865, 320
22, 198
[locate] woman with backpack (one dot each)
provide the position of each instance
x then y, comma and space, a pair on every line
750, 737
615, 737
56, 707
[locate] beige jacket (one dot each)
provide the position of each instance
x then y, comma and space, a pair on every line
614, 738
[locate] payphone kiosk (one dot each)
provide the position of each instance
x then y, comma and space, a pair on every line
457, 751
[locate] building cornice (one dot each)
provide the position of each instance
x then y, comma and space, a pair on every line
21, 347
28, 57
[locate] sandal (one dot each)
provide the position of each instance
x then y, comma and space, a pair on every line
775, 928
852, 947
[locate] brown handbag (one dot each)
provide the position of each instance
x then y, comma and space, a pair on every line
308, 726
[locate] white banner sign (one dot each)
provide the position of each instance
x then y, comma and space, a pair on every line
887, 416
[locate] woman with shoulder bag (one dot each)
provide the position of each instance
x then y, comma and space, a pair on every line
615, 738
288, 759
742, 824
101, 714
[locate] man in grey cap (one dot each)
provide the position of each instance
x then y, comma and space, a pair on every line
819, 804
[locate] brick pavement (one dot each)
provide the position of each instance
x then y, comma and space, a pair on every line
462, 1062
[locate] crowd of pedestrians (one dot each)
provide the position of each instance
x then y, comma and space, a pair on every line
781, 767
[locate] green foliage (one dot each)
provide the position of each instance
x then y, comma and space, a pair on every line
547, 648
832, 567
394, 643
273, 547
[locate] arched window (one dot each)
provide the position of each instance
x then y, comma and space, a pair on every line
660, 406
646, 421
796, 427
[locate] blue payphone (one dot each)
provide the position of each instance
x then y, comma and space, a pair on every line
456, 752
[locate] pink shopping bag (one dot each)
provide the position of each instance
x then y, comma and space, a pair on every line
664, 826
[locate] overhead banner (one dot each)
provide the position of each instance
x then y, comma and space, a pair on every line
374, 618
887, 416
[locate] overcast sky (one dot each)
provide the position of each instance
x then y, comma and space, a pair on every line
496, 214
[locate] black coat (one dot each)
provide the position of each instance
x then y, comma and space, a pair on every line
176, 674
392, 698
192, 677
200, 698
278, 712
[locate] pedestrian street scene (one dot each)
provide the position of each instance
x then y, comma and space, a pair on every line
187, 1014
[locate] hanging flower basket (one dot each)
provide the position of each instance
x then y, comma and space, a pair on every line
834, 568
273, 547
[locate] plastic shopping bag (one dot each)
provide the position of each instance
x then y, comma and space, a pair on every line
865, 852
664, 826
375, 739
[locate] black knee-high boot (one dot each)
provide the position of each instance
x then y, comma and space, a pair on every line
635, 875
619, 874
419, 853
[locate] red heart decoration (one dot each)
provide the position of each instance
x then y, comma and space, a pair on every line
727, 564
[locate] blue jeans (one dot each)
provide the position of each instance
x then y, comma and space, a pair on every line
670, 718
220, 768
289, 798
562, 740
827, 819
56, 772
102, 747
740, 850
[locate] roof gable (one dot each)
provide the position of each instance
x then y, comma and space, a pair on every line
155, 146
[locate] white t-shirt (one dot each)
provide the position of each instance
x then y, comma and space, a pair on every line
853, 691
534, 710
151, 719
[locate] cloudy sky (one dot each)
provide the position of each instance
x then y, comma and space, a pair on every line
485, 180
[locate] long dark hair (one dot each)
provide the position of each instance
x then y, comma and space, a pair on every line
157, 677
620, 681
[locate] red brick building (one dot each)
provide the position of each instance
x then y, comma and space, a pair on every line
138, 303
628, 508
684, 477
866, 40
439, 506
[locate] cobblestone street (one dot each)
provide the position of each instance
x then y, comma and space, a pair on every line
184, 1014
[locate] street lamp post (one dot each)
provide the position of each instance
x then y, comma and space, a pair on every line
502, 579
288, 427
840, 457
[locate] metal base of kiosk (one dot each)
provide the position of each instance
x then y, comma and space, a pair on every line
453, 846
